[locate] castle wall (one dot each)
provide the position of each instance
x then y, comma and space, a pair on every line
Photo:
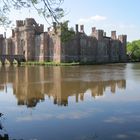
9, 50
21, 43
51, 42
102, 51
71, 51
54, 45
41, 50
114, 51
4, 50
46, 46
29, 48
37, 47
13, 46
88, 49
16, 39
1, 44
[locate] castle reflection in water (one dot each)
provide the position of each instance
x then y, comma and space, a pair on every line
32, 84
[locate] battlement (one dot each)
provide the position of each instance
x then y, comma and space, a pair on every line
81, 28
29, 23
98, 34
26, 22
19, 23
122, 38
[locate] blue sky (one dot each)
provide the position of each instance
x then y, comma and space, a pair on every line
119, 15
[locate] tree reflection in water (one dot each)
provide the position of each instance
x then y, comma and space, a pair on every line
4, 136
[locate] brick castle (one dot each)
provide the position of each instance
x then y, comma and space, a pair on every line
29, 39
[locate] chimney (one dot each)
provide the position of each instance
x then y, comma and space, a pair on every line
54, 24
76, 28
113, 35
104, 34
4, 34
13, 33
49, 28
93, 29
82, 28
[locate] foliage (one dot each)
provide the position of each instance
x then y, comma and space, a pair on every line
133, 50
47, 8
66, 33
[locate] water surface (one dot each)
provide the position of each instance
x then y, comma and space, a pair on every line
70, 103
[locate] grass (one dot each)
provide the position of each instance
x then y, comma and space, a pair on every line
49, 63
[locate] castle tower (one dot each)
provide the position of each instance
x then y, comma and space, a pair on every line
16, 41
29, 49
43, 48
29, 44
55, 46
46, 46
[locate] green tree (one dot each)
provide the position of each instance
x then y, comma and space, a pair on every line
46, 8
67, 34
133, 50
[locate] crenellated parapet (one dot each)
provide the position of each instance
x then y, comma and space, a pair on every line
98, 34
29, 24
123, 38
19, 23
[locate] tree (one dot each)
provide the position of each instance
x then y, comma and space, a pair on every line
133, 50
47, 8
67, 34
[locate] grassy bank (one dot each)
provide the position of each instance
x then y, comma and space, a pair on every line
49, 63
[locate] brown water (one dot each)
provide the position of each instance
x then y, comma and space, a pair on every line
70, 103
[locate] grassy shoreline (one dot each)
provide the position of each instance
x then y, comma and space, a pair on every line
49, 63
35, 63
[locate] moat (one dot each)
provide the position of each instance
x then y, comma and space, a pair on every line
70, 103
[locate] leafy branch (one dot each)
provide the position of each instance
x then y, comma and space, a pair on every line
46, 8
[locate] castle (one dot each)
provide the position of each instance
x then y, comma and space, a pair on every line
29, 39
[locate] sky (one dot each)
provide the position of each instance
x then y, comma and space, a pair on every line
109, 15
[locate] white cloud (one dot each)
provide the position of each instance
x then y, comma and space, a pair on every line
98, 18
92, 18
73, 115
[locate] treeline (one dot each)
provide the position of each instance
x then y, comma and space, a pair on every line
133, 50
